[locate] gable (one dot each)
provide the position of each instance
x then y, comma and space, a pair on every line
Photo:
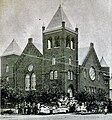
30, 51
92, 58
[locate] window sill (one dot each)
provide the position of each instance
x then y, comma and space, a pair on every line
56, 47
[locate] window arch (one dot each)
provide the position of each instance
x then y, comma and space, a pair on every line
51, 75
27, 82
68, 41
49, 43
33, 81
57, 41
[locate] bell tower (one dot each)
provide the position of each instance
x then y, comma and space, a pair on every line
60, 54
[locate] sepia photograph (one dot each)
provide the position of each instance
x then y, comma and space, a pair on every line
56, 59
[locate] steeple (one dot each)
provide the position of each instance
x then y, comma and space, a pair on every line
103, 62
58, 18
13, 48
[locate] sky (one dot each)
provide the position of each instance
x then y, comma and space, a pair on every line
21, 19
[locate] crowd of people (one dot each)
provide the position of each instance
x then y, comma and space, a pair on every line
73, 106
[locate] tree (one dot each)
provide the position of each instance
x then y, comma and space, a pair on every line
82, 96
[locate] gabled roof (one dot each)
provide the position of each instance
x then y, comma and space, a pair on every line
30, 48
29, 51
13, 48
57, 19
82, 53
103, 62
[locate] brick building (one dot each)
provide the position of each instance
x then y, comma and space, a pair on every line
62, 65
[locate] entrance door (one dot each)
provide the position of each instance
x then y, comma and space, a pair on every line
70, 91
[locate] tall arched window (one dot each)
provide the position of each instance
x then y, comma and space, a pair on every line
27, 82
68, 41
7, 68
33, 82
55, 74
70, 60
69, 75
49, 43
53, 61
51, 75
57, 41
72, 43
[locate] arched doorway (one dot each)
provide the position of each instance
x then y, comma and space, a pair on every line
70, 91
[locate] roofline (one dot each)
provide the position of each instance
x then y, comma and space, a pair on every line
59, 28
10, 54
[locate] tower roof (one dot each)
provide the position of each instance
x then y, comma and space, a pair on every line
13, 48
103, 62
57, 19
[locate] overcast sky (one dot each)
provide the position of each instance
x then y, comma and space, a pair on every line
21, 19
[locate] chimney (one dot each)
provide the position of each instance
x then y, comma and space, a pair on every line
76, 29
63, 24
30, 40
91, 44
43, 28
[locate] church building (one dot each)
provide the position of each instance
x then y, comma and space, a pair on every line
62, 65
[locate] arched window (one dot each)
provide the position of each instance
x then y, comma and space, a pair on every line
27, 82
33, 81
49, 43
72, 43
53, 61
55, 74
70, 61
51, 75
7, 68
68, 41
57, 41
69, 75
